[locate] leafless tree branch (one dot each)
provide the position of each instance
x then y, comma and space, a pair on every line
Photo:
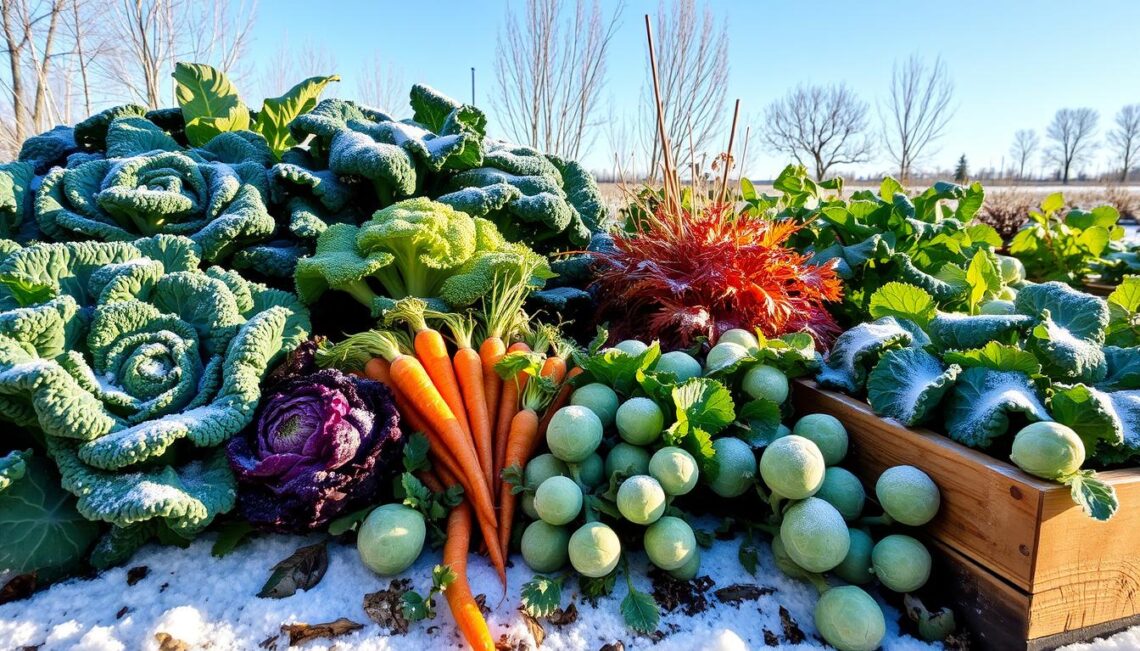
917, 111
820, 126
1071, 132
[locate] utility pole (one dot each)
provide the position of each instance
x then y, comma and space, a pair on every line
472, 85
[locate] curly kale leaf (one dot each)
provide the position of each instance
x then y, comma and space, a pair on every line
856, 351
908, 384
49, 149
982, 402
1069, 331
91, 134
117, 351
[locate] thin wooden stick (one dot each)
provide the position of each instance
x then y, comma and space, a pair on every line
728, 154
671, 195
744, 152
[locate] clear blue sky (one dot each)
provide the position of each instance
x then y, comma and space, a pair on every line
1014, 63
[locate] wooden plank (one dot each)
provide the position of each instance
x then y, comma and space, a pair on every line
1087, 572
989, 508
994, 611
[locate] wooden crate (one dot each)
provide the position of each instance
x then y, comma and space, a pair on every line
1032, 571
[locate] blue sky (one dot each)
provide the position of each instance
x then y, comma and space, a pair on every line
1014, 63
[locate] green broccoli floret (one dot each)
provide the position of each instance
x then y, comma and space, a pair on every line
415, 248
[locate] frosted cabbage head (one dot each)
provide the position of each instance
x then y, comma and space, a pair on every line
322, 442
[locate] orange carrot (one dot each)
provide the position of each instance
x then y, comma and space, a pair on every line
491, 352
459, 598
508, 407
411, 380
430, 480
554, 367
431, 349
468, 367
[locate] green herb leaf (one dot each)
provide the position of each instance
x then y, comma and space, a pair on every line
760, 421
984, 278
1096, 498
903, 301
230, 537
349, 522
415, 607
210, 103
640, 611
595, 588
416, 453
442, 576
541, 596
997, 356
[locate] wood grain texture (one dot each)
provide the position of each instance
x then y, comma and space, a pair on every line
1075, 574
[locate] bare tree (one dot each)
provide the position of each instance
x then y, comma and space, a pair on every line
821, 126
917, 111
692, 60
291, 63
1025, 144
1125, 138
1071, 132
551, 72
31, 39
382, 86
152, 35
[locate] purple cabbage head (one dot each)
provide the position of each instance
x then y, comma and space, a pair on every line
322, 444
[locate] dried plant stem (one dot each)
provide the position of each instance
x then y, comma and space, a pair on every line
728, 154
669, 171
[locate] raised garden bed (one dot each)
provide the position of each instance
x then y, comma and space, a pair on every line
1029, 569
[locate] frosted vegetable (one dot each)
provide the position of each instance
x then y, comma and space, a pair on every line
594, 550
723, 355
766, 382
1012, 270
1048, 450
680, 364
825, 431
628, 460
632, 347
592, 470
908, 495
598, 398
574, 433
558, 500
843, 490
901, 563
544, 546
815, 535
675, 469
792, 467
740, 337
735, 467
690, 569
641, 500
670, 543
856, 565
849, 619
784, 563
998, 307
640, 421
391, 539
540, 468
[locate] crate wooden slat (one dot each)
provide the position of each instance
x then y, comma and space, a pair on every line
1069, 573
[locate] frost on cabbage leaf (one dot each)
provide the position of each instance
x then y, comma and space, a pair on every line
983, 400
908, 384
135, 365
857, 350
1107, 415
952, 331
1069, 331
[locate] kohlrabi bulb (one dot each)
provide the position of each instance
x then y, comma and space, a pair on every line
598, 398
574, 433
901, 563
815, 535
680, 364
631, 347
792, 467
766, 382
740, 337
735, 467
594, 550
849, 619
670, 543
825, 431
544, 546
908, 495
856, 565
675, 469
391, 539
640, 421
843, 490
629, 460
641, 500
1048, 450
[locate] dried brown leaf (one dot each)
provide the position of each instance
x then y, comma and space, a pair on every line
793, 634
137, 573
300, 633
535, 627
167, 642
564, 616
741, 592
385, 606
302, 570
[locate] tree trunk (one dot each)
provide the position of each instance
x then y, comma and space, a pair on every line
42, 82
15, 61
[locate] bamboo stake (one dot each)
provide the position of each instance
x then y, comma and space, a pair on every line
728, 154
671, 192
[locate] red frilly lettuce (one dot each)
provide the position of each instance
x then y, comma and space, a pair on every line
322, 443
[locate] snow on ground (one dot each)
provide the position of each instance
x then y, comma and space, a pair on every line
210, 603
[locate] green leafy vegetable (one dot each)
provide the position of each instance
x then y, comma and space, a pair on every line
856, 351
979, 409
210, 103
903, 301
276, 113
908, 384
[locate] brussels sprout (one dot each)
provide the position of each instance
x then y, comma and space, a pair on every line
670, 543
641, 500
598, 398
544, 546
594, 550
640, 421
856, 565
627, 459
679, 363
675, 469
1048, 450
792, 467
849, 619
724, 355
782, 431
1012, 271
815, 535
558, 500
740, 337
766, 382
592, 471
998, 307
391, 539
901, 563
908, 495
843, 490
632, 347
784, 563
825, 431
735, 467
690, 569
574, 433
543, 467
